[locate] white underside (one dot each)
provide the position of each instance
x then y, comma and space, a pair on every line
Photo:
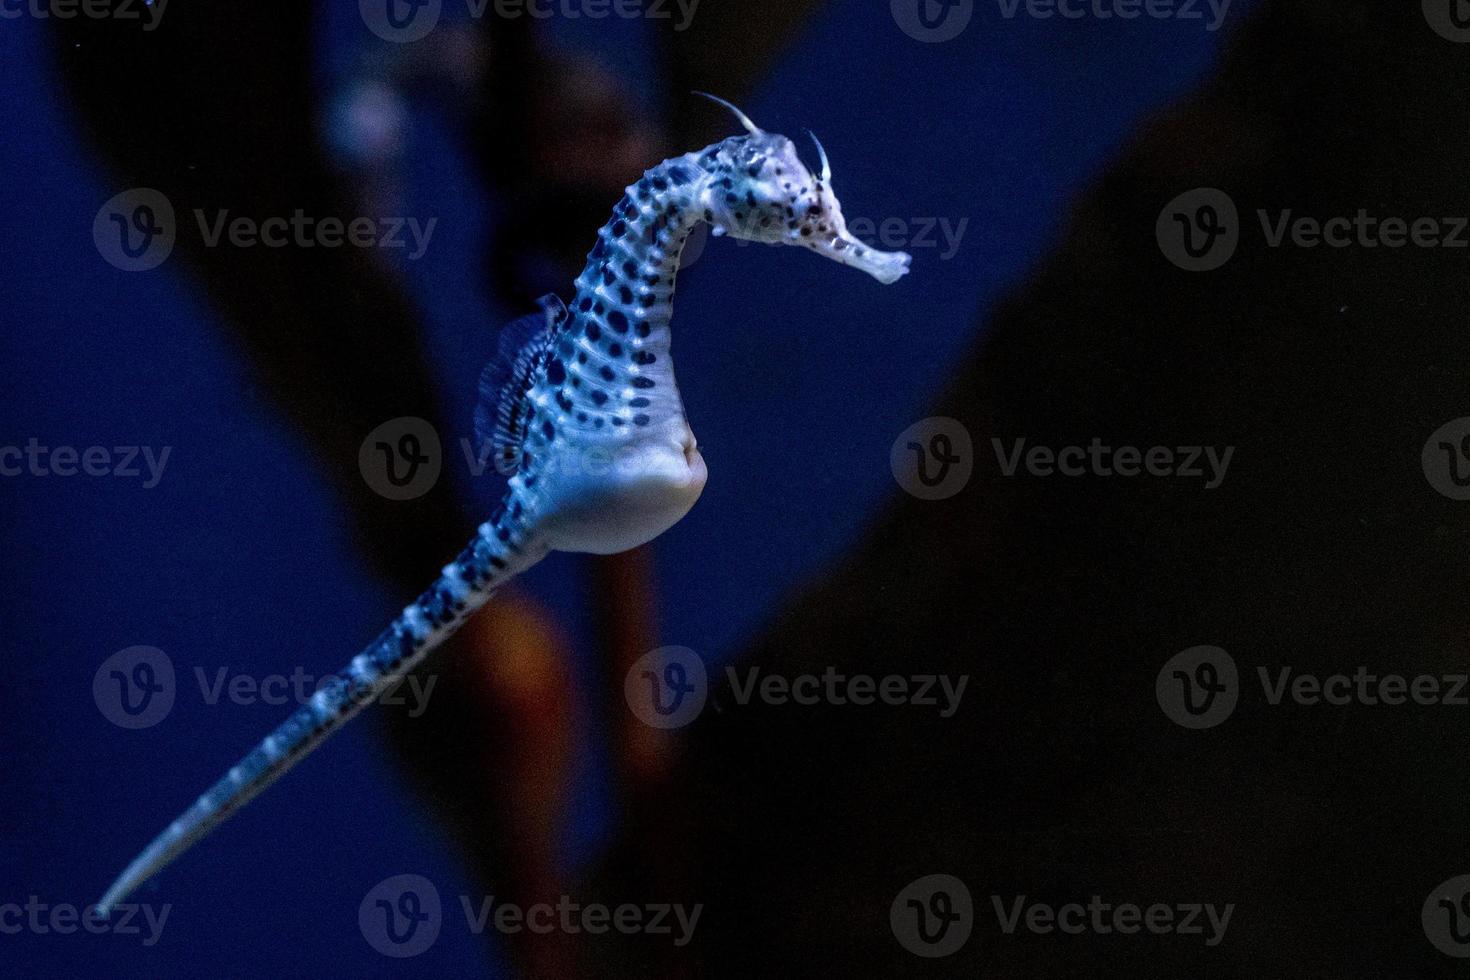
609, 495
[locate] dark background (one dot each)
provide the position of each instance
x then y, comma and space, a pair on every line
1057, 321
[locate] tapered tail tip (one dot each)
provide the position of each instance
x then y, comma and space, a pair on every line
126, 883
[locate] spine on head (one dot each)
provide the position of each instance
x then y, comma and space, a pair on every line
499, 552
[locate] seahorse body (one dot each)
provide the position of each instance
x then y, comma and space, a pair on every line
587, 422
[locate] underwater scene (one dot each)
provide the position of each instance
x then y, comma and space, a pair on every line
698, 488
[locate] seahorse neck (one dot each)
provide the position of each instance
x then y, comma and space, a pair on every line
630, 273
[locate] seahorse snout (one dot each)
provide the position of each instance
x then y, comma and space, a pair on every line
886, 267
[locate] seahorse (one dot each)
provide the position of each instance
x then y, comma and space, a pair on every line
586, 424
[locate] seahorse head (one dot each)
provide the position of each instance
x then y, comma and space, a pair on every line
759, 190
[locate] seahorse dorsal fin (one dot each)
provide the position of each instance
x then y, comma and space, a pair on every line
500, 415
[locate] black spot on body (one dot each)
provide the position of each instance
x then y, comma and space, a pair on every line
617, 320
644, 357
644, 383
599, 398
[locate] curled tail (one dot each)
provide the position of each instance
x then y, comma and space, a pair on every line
492, 559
